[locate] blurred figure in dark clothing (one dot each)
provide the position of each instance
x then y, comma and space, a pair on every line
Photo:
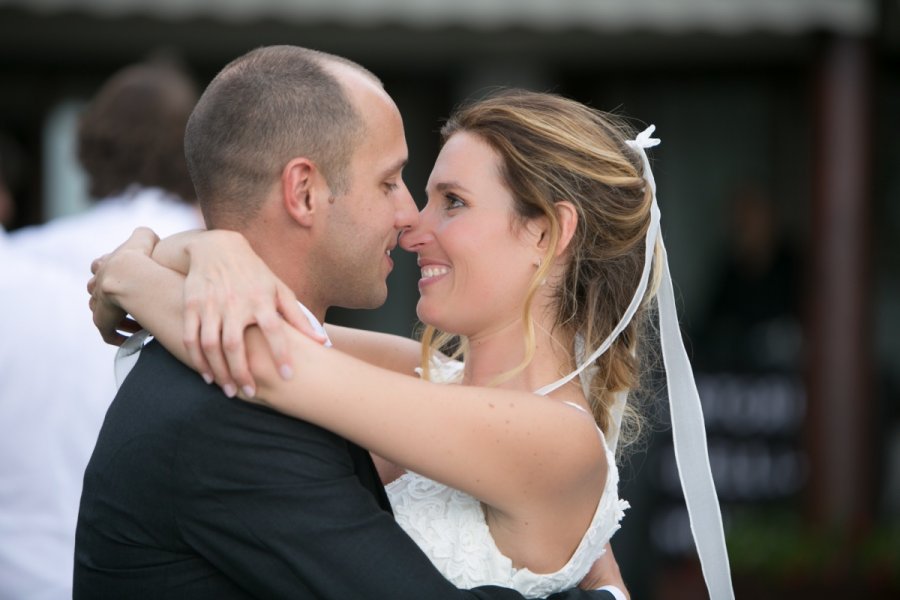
753, 321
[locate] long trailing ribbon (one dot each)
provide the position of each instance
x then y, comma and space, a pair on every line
688, 431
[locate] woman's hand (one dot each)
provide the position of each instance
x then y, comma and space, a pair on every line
108, 272
604, 571
228, 289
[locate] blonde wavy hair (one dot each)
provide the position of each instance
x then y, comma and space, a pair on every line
554, 149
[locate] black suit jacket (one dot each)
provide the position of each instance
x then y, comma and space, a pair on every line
190, 494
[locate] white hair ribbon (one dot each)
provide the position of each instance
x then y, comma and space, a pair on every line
688, 431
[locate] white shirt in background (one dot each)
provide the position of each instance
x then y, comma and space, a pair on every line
74, 242
55, 386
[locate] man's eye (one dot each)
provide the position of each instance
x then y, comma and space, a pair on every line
391, 187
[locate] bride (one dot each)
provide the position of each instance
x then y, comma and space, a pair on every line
536, 252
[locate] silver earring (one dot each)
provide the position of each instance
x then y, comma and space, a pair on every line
537, 262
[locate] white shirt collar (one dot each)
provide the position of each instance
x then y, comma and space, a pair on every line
314, 322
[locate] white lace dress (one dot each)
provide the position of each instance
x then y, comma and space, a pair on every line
449, 526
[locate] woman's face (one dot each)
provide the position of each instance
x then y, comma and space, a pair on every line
476, 259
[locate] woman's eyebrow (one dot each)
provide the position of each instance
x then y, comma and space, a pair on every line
444, 186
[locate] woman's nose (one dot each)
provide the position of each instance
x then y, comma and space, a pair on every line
413, 237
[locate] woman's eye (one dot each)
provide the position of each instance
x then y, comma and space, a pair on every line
454, 201
391, 187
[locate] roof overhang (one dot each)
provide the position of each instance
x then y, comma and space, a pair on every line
854, 17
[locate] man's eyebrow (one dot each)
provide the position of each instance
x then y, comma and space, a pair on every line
398, 166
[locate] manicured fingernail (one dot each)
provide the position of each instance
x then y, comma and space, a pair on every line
229, 390
248, 391
286, 372
207, 378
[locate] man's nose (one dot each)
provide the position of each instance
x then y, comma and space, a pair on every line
407, 214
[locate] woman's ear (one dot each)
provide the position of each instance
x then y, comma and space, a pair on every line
567, 216
568, 223
301, 190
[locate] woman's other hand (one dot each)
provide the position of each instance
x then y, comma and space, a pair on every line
228, 289
604, 571
107, 270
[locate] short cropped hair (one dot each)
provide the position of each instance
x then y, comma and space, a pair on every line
132, 132
264, 108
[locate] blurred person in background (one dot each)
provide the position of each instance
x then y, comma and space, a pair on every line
56, 374
753, 322
55, 385
131, 146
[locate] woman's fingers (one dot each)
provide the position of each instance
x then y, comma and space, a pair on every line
106, 316
143, 239
225, 296
211, 345
289, 314
235, 353
274, 330
96, 265
203, 314
191, 341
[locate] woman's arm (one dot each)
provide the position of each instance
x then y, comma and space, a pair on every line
227, 288
129, 281
510, 449
393, 352
144, 278
515, 451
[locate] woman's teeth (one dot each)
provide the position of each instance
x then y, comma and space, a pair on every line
434, 271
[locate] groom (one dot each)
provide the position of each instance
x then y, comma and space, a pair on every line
192, 494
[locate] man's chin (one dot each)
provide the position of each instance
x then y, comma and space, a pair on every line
373, 300
380, 296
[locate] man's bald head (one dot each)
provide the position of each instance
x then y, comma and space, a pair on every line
263, 109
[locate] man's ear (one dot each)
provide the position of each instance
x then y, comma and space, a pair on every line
567, 215
302, 190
